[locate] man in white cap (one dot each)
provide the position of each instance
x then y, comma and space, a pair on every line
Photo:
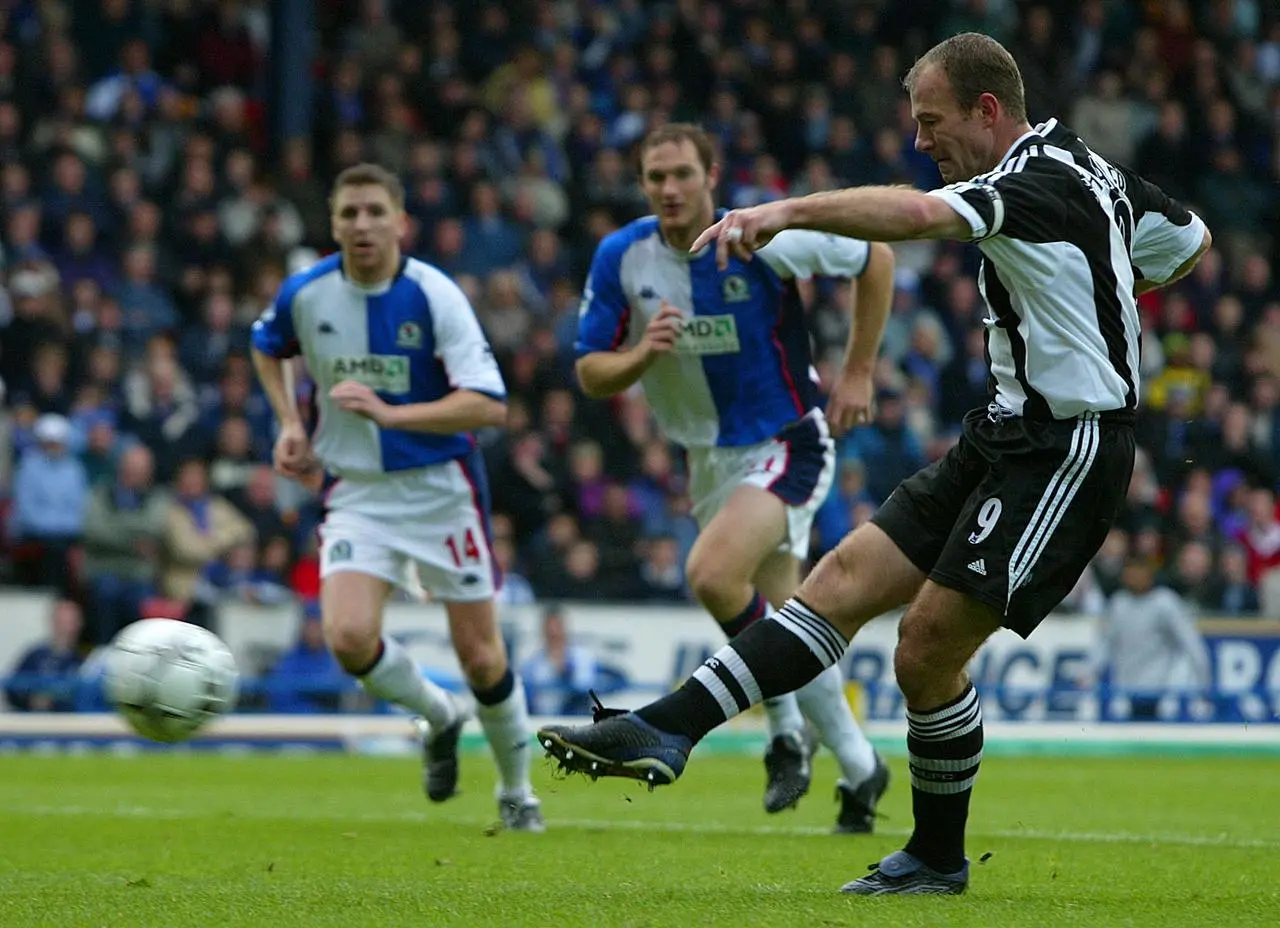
50, 496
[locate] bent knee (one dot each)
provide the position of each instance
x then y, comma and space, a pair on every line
937, 638
914, 669
717, 586
483, 663
354, 644
864, 576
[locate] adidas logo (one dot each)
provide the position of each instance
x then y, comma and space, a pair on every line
979, 567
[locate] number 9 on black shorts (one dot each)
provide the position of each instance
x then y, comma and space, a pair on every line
1013, 514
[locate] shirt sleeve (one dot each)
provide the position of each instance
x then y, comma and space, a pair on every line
1166, 234
1022, 205
1186, 636
461, 345
603, 314
1103, 646
273, 333
804, 253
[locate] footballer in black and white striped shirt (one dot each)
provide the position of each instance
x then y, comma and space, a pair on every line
999, 530
1005, 523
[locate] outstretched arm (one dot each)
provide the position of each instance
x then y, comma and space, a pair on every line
882, 214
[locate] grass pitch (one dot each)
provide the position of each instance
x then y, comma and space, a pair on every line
275, 840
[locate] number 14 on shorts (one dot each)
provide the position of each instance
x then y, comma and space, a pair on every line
463, 549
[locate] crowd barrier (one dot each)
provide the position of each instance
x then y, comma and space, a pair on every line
1031, 688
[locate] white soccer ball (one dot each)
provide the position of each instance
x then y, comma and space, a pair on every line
169, 679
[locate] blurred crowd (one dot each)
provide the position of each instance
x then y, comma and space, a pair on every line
147, 217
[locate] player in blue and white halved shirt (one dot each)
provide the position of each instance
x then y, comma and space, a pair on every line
403, 375
724, 360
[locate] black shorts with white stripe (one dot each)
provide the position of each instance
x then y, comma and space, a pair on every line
1013, 514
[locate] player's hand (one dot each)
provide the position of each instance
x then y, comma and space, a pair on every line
850, 402
662, 332
291, 456
361, 400
742, 231
312, 477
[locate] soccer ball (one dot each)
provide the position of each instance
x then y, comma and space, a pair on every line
169, 679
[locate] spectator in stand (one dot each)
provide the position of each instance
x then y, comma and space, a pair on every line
200, 527
162, 409
148, 308
1148, 644
560, 675
81, 256
256, 500
661, 570
234, 459
1261, 538
51, 495
124, 530
48, 674
616, 534
239, 577
586, 470
307, 678
46, 389
1238, 596
1192, 577
204, 348
577, 576
888, 449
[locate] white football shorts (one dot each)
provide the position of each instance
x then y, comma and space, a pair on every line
426, 531
797, 465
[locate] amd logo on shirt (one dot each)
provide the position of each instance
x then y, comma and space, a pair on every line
385, 373
701, 335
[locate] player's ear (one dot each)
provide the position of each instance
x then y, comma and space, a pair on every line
989, 108
713, 175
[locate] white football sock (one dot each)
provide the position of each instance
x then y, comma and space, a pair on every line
783, 714
396, 678
506, 726
823, 703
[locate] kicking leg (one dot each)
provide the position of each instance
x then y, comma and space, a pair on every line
865, 576
500, 707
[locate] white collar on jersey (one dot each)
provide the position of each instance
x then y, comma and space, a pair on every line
1030, 133
380, 287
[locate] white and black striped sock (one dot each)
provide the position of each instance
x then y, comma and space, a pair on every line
773, 656
944, 747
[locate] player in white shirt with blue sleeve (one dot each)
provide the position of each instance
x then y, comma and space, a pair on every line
723, 357
403, 375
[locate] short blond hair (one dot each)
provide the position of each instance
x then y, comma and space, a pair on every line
369, 174
975, 64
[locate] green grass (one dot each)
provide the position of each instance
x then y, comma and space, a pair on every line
174, 840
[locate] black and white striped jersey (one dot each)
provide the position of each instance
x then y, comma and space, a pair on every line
1064, 233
